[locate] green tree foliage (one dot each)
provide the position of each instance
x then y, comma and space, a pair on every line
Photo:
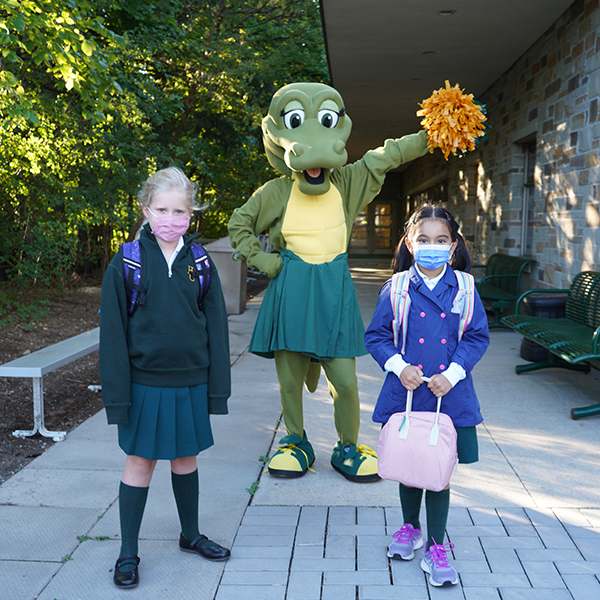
68, 40
122, 88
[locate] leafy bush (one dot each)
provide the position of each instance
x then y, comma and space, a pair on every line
48, 255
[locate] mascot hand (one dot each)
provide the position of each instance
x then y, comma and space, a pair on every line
269, 264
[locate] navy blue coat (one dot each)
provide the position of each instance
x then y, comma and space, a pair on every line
432, 344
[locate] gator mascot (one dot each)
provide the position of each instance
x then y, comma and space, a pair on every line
309, 316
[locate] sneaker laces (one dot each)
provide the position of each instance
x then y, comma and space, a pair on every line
289, 448
366, 450
438, 553
407, 533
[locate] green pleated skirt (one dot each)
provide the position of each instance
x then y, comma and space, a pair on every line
310, 309
166, 423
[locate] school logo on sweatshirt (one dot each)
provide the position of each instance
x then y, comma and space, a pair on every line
191, 273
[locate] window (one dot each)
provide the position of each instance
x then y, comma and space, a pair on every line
529, 149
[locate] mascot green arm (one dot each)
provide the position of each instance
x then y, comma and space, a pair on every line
361, 181
262, 212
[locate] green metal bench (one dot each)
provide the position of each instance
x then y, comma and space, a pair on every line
499, 288
573, 341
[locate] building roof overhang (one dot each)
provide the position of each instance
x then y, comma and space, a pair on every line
386, 56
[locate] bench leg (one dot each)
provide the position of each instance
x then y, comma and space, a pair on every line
553, 362
497, 324
586, 411
38, 416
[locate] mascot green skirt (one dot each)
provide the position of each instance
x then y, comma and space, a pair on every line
309, 317
325, 298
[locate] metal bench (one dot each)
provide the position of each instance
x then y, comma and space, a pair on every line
573, 342
37, 364
499, 288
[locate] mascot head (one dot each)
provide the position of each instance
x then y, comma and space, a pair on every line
305, 134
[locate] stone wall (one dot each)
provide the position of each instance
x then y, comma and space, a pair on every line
547, 101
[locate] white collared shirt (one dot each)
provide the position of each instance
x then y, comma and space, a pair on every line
171, 260
430, 283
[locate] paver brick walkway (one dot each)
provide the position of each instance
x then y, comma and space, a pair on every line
339, 553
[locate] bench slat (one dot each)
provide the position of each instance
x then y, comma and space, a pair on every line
571, 338
573, 341
51, 358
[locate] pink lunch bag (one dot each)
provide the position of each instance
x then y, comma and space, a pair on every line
418, 448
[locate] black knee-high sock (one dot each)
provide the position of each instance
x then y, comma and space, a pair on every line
410, 499
437, 505
186, 489
132, 501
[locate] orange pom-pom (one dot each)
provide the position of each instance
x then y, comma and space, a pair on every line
452, 120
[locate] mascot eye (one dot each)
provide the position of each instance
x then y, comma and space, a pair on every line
328, 118
293, 118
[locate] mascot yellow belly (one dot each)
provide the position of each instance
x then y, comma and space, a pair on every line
314, 227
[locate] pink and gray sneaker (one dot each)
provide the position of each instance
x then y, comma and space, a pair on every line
406, 541
434, 562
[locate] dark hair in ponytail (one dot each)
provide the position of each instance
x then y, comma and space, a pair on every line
403, 259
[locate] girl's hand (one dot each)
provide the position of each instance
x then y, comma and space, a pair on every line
410, 377
439, 385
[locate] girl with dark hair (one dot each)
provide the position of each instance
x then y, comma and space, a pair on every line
439, 337
460, 259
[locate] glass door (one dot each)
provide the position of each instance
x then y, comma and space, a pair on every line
373, 229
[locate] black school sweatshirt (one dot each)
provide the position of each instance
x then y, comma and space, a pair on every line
169, 342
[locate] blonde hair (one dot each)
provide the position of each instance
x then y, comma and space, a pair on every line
168, 179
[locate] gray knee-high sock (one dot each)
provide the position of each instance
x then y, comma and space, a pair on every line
186, 489
437, 505
410, 499
132, 501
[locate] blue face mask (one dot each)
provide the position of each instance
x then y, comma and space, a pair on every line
432, 256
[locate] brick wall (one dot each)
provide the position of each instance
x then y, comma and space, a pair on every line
549, 97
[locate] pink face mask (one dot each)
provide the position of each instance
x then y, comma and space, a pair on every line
170, 228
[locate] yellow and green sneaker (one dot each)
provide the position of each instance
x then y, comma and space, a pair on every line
293, 458
355, 463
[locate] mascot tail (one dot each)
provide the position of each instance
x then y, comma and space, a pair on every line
311, 379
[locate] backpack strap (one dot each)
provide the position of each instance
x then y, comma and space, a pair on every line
202, 268
132, 267
466, 297
400, 305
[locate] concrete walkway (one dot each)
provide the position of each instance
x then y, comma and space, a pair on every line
525, 520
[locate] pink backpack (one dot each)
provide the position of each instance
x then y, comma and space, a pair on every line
418, 448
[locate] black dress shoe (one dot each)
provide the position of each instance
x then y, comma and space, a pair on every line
127, 579
204, 547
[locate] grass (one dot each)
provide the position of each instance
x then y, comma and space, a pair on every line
98, 538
